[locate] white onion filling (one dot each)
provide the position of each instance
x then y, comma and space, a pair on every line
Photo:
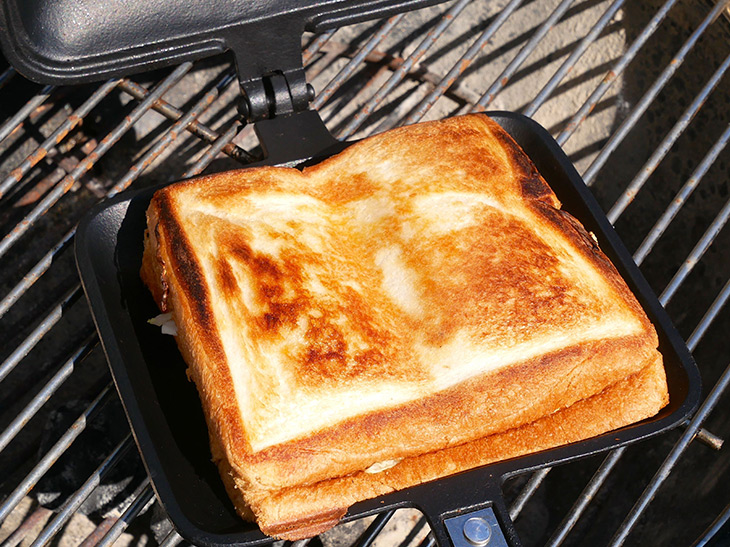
165, 321
379, 467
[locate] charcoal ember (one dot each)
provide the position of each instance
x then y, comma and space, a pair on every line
101, 435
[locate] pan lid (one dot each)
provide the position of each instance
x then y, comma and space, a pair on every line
78, 41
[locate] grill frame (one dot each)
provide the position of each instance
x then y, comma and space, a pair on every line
715, 312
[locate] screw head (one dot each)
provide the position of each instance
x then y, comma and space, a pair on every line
477, 531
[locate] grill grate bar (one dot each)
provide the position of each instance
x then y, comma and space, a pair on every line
93, 538
661, 151
573, 58
316, 44
421, 525
356, 60
46, 392
460, 67
172, 539
665, 469
212, 151
615, 455
45, 262
529, 489
106, 143
369, 107
694, 256
709, 316
13, 123
39, 515
75, 501
52, 455
53, 317
712, 313
141, 500
681, 197
599, 478
614, 73
508, 72
372, 531
56, 137
173, 113
585, 497
627, 125
172, 134
714, 528
41, 267
422, 75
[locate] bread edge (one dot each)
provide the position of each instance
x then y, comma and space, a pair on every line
289, 514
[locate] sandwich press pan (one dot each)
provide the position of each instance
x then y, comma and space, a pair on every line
166, 415
78, 41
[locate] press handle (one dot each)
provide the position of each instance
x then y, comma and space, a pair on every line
469, 510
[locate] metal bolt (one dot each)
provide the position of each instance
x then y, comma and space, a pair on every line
477, 531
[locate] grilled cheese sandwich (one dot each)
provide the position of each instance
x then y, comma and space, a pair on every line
409, 299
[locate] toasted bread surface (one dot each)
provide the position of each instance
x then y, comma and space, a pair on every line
417, 292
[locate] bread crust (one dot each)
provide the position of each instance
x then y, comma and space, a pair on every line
628, 401
481, 406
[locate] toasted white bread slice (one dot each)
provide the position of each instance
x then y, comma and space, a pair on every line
417, 292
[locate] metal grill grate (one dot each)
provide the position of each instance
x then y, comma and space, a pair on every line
637, 94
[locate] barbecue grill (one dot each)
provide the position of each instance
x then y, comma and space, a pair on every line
635, 92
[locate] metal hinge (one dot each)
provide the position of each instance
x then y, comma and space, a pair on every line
270, 70
275, 94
